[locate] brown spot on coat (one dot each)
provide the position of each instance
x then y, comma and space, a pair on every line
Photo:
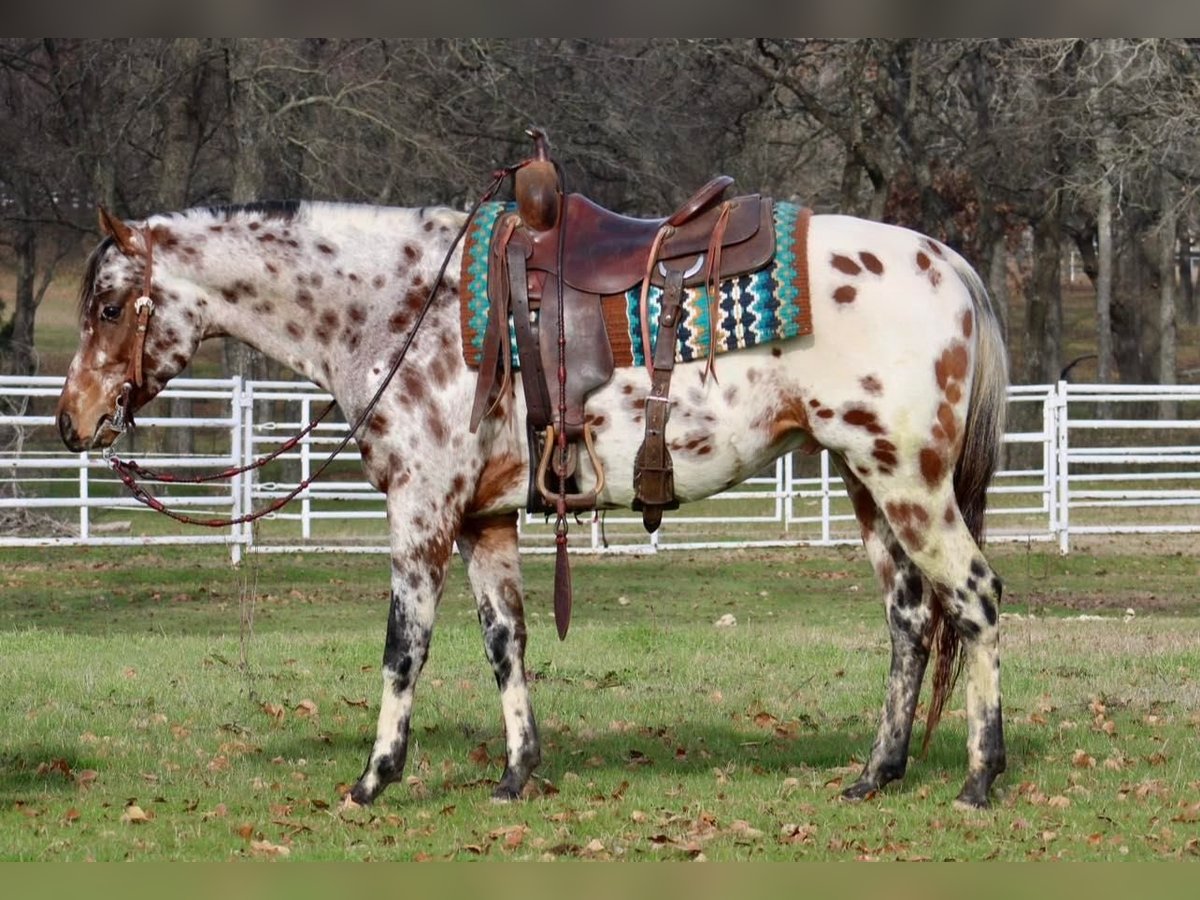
923, 260
932, 466
863, 418
871, 385
872, 262
968, 323
845, 294
845, 264
952, 365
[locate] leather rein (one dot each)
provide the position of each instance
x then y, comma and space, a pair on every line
129, 471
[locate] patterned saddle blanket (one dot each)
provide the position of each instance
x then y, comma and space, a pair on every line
770, 304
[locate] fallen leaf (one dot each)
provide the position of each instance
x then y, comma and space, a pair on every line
266, 848
745, 829
361, 702
1059, 802
479, 755
135, 815
71, 815
791, 833
1081, 760
306, 709
275, 711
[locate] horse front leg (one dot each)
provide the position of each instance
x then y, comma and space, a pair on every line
489, 549
420, 559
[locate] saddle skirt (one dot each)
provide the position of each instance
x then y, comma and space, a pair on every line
758, 307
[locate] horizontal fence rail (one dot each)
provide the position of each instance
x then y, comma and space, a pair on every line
1079, 460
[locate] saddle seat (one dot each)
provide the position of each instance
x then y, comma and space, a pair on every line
607, 253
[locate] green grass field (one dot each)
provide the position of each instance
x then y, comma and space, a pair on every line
165, 706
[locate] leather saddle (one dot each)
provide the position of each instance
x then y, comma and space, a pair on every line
552, 263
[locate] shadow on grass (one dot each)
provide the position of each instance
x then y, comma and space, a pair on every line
692, 754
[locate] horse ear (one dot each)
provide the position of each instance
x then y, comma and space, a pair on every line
124, 236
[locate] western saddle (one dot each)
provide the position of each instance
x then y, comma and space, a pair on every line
552, 263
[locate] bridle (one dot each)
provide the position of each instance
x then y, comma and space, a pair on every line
143, 307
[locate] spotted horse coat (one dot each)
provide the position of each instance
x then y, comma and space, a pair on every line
902, 380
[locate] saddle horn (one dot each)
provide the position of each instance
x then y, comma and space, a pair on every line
536, 187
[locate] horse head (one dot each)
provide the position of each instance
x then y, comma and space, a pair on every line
134, 337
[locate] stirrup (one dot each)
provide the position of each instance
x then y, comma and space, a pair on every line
575, 502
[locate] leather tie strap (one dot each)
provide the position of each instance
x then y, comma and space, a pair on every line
654, 478
533, 378
712, 283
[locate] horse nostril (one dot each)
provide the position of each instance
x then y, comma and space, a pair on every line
67, 431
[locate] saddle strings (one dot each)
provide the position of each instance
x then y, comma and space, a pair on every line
128, 471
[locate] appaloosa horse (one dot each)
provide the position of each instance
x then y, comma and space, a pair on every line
903, 380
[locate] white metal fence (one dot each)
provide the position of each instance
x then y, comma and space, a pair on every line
1080, 459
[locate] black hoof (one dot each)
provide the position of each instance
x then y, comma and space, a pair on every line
363, 797
860, 790
974, 794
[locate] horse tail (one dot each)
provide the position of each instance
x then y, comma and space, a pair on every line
983, 436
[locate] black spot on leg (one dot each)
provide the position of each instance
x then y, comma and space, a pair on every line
966, 628
397, 649
989, 610
914, 590
978, 569
498, 639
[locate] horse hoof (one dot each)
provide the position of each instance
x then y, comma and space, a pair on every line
358, 796
859, 791
504, 794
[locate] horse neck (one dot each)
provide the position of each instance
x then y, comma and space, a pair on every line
319, 290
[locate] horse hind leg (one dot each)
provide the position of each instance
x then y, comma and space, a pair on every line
911, 622
489, 549
932, 532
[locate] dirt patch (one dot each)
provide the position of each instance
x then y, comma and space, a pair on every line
1141, 602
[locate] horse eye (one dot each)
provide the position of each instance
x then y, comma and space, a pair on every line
110, 313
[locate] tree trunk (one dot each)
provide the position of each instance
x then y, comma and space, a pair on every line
22, 356
1104, 281
1043, 314
180, 140
1187, 301
1128, 319
997, 281
1168, 409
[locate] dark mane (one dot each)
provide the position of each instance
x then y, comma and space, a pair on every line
89, 275
270, 209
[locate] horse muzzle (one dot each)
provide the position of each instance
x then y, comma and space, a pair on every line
107, 429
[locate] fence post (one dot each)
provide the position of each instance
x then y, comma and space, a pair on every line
84, 511
236, 453
826, 530
1050, 461
305, 471
789, 475
1062, 445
